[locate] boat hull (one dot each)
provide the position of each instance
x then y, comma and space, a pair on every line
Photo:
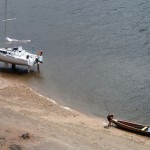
12, 60
133, 127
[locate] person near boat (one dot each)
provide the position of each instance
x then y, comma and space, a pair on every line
110, 117
40, 57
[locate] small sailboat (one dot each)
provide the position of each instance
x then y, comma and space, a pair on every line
17, 55
133, 127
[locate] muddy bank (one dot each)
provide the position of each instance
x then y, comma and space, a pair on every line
51, 126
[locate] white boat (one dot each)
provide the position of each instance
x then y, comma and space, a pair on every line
17, 55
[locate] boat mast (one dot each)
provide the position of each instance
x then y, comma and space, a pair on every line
5, 22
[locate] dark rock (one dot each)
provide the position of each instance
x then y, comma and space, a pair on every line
2, 138
25, 136
14, 147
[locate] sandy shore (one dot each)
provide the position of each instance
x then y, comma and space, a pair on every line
53, 127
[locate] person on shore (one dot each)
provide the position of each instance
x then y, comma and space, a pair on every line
110, 117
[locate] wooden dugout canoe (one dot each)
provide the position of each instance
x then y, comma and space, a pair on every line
133, 127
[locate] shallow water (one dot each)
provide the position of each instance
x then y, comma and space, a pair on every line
96, 53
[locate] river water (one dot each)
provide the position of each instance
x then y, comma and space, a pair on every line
96, 53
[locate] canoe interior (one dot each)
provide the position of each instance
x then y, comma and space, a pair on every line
131, 124
133, 127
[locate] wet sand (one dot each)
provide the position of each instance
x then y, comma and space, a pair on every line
51, 126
